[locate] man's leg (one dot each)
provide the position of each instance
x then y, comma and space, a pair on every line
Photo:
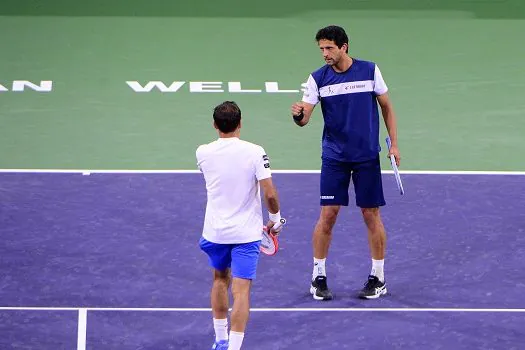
369, 196
220, 303
335, 179
245, 258
240, 312
321, 243
220, 259
376, 240
376, 233
375, 286
323, 231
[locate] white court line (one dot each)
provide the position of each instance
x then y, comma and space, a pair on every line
129, 171
183, 309
82, 313
82, 329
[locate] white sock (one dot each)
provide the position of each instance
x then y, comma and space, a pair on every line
236, 339
377, 269
221, 328
319, 268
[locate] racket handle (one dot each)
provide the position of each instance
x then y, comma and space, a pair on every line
393, 160
279, 224
389, 145
388, 142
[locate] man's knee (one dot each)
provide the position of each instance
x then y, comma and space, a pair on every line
241, 287
328, 216
371, 216
222, 277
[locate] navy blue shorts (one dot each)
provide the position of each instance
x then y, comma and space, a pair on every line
366, 176
241, 258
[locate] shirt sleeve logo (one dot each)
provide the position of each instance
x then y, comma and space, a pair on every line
266, 161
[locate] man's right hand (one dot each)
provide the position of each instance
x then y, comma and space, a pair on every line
297, 108
301, 112
274, 228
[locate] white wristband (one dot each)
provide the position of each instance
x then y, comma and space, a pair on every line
275, 217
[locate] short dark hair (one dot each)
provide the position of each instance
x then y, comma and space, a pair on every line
227, 116
333, 33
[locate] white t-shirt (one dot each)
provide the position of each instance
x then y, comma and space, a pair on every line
232, 169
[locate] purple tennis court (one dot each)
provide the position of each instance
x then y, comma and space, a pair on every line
454, 267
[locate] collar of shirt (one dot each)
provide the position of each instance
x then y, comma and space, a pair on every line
227, 139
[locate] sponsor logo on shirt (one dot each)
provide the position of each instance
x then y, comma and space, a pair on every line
266, 161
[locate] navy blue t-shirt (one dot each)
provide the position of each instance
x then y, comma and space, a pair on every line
350, 110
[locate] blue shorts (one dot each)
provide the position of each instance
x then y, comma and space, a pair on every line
366, 176
241, 258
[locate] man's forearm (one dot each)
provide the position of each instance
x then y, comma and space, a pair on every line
391, 124
273, 204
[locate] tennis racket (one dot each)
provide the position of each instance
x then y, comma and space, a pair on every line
394, 167
270, 241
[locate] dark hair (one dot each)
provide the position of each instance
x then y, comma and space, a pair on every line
333, 33
227, 116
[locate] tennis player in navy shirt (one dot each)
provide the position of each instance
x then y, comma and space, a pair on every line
349, 91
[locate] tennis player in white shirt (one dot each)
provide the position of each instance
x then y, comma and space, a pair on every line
234, 171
